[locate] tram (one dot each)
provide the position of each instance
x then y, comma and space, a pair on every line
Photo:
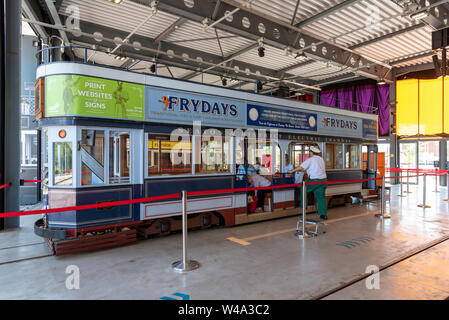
110, 134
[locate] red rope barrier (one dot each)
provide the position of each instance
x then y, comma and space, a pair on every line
5, 185
32, 181
89, 206
176, 195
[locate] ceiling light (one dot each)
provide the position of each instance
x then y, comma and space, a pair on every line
261, 49
381, 82
116, 1
419, 15
301, 56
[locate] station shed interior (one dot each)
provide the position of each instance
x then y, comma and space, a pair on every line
364, 81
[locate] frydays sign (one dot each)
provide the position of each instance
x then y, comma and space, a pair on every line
179, 106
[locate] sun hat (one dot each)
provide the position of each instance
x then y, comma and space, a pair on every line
251, 170
315, 149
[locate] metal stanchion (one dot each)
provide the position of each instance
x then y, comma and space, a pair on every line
382, 202
401, 193
185, 264
436, 181
424, 205
447, 185
302, 234
408, 183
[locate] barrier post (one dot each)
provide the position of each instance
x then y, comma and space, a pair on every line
423, 205
382, 202
447, 185
401, 193
303, 234
185, 264
408, 183
436, 181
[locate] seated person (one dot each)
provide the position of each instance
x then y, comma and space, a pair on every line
241, 172
257, 181
288, 166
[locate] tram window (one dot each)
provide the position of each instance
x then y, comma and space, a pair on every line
259, 156
300, 152
119, 157
215, 156
352, 157
92, 157
334, 156
62, 155
168, 157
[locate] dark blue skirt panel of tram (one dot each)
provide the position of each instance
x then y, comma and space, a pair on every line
344, 175
93, 195
158, 187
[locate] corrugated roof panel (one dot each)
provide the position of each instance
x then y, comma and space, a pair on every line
274, 58
193, 30
400, 45
125, 16
284, 9
363, 19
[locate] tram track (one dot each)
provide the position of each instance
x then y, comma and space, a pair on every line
25, 259
22, 245
389, 264
30, 257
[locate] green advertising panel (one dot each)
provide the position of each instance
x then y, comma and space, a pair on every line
73, 95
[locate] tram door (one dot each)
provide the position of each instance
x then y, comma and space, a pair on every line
86, 156
119, 158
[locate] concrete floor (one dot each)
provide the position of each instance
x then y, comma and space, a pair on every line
275, 264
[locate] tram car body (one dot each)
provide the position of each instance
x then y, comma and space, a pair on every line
109, 134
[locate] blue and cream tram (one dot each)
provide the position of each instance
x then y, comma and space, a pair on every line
111, 134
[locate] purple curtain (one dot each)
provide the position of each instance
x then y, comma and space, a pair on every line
329, 97
364, 96
345, 98
383, 98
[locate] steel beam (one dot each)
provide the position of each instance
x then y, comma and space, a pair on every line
191, 60
56, 19
419, 67
413, 57
178, 23
325, 13
29, 12
278, 34
295, 12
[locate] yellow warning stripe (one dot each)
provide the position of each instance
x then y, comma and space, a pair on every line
245, 241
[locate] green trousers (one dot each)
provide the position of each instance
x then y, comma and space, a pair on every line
319, 191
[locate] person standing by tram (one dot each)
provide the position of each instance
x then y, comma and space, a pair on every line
316, 170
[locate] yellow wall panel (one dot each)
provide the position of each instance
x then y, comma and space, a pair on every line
407, 107
431, 106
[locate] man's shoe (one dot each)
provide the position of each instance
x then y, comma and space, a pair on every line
323, 217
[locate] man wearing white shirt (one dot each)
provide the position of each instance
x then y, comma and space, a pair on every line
316, 170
